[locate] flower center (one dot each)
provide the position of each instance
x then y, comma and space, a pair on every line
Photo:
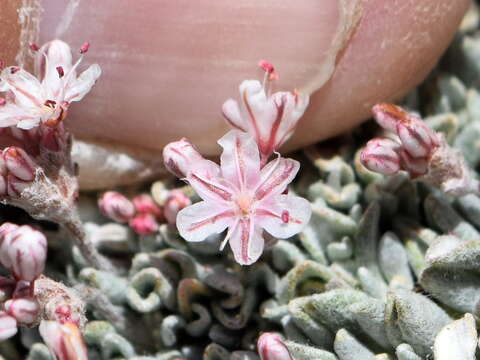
244, 202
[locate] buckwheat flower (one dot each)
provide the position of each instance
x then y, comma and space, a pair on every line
47, 97
240, 196
23, 251
418, 150
271, 119
117, 207
64, 340
270, 346
8, 326
180, 156
175, 202
24, 310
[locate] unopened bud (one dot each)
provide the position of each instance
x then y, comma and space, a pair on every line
417, 139
144, 224
145, 204
271, 347
180, 157
381, 156
64, 340
389, 115
19, 163
24, 310
24, 251
8, 326
116, 206
176, 201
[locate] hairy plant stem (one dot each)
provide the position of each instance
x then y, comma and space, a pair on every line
86, 247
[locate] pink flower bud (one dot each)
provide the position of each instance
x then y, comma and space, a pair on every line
271, 347
24, 251
116, 206
8, 326
64, 340
381, 156
24, 310
389, 115
19, 163
175, 202
180, 157
144, 224
145, 204
6, 228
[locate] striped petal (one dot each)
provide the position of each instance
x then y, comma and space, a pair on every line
246, 241
240, 160
83, 84
276, 176
207, 182
14, 115
26, 87
200, 220
283, 216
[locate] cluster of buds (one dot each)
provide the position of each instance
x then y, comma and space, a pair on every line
246, 194
415, 148
141, 213
37, 173
270, 346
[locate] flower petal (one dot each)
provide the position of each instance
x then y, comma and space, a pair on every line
246, 242
205, 178
12, 114
283, 216
200, 220
25, 87
240, 160
83, 84
275, 177
231, 113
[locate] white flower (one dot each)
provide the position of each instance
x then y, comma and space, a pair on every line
45, 98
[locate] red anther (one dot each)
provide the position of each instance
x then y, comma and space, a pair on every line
2, 64
33, 47
50, 103
266, 66
2, 101
84, 48
14, 69
285, 216
60, 71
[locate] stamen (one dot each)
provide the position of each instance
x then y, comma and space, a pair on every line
60, 71
84, 48
14, 69
50, 103
2, 64
33, 47
2, 101
266, 66
285, 216
269, 76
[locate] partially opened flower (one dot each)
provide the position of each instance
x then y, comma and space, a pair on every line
244, 198
45, 98
64, 340
271, 347
271, 119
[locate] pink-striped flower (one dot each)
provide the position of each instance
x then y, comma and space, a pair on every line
63, 340
23, 251
271, 119
180, 156
45, 98
246, 199
24, 310
271, 347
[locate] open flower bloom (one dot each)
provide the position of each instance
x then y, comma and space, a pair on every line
44, 99
63, 340
271, 119
244, 198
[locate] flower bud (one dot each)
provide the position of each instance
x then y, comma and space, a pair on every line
64, 340
116, 206
271, 347
381, 156
417, 139
19, 163
8, 326
24, 251
24, 310
144, 224
175, 202
7, 287
389, 115
145, 204
180, 157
